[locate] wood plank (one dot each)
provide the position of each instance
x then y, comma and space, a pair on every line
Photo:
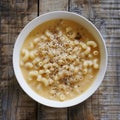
79, 112
14, 103
44, 112
48, 113
52, 5
104, 104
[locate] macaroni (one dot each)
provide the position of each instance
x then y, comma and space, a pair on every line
92, 43
33, 74
28, 65
83, 45
95, 52
87, 63
59, 62
85, 70
31, 46
25, 53
44, 81
95, 63
49, 34
36, 40
43, 37
87, 51
32, 55
62, 97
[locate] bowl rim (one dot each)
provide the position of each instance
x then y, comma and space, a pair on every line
34, 95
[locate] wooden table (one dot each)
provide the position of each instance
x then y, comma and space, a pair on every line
15, 104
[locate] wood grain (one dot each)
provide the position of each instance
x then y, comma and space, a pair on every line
48, 113
14, 103
52, 5
104, 104
80, 112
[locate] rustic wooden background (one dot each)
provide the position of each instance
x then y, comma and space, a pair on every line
15, 104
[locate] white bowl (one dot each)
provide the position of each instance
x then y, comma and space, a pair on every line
41, 19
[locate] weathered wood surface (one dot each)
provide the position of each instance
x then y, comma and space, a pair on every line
15, 104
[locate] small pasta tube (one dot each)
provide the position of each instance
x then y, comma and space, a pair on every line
32, 74
90, 55
83, 45
36, 60
72, 35
49, 34
95, 64
25, 54
62, 97
75, 49
47, 65
72, 67
36, 40
81, 78
43, 37
76, 70
95, 52
56, 77
60, 35
68, 29
70, 58
85, 71
52, 91
32, 54
60, 61
39, 78
50, 81
87, 63
40, 64
31, 46
41, 72
44, 81
45, 61
47, 71
28, 65
92, 43
76, 42
87, 51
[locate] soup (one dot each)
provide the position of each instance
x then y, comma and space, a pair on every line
60, 59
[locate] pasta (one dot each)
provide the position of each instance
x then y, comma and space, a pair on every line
25, 53
95, 63
87, 63
83, 45
28, 65
36, 40
85, 71
62, 97
92, 43
87, 51
58, 62
33, 74
95, 52
31, 46
44, 81
32, 55
49, 34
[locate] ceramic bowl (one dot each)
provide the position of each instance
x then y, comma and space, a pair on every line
56, 15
